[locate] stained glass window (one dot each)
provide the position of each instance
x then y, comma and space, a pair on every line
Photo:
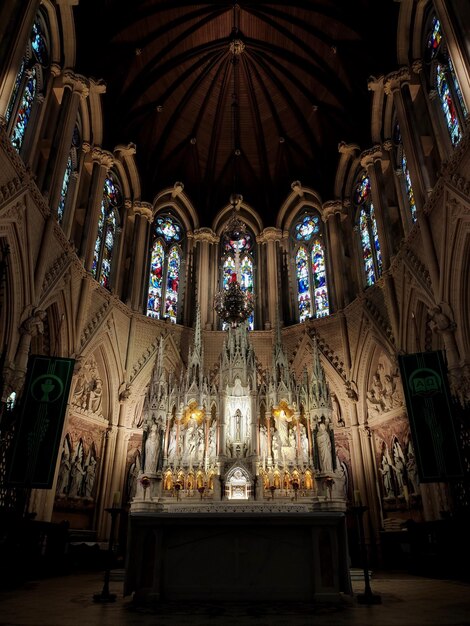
24, 111
26, 85
446, 82
241, 249
105, 239
155, 280
307, 227
409, 187
64, 189
322, 308
173, 275
165, 269
367, 225
310, 268
303, 284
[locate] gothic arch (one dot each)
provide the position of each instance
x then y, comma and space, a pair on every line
174, 199
246, 213
301, 199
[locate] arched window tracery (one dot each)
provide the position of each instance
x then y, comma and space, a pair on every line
108, 223
367, 227
166, 258
444, 79
310, 268
29, 82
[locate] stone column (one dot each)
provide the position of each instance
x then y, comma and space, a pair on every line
270, 238
371, 161
397, 84
207, 274
75, 89
143, 219
331, 213
102, 162
73, 192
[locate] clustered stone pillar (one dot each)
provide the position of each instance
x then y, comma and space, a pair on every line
102, 163
206, 241
76, 88
331, 213
270, 238
143, 217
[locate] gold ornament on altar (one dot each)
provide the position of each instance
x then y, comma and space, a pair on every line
193, 413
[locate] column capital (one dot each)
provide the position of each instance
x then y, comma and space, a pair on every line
348, 148
296, 186
368, 157
417, 66
78, 83
269, 234
144, 209
55, 70
103, 157
330, 208
206, 234
394, 81
388, 145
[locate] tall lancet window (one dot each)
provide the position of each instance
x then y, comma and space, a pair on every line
70, 169
107, 230
310, 267
29, 82
237, 259
445, 81
367, 228
165, 269
405, 174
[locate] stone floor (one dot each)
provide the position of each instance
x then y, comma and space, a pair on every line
406, 600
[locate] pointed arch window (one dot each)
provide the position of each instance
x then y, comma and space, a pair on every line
70, 169
29, 82
367, 228
107, 231
310, 268
238, 258
445, 81
403, 165
163, 295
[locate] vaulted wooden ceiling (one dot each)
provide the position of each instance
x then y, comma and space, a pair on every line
251, 122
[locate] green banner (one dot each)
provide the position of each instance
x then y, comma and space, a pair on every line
431, 412
42, 410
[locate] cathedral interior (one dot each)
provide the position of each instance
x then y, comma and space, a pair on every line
234, 221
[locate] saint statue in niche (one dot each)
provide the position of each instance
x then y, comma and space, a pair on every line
324, 448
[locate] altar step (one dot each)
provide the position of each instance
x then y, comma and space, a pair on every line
358, 573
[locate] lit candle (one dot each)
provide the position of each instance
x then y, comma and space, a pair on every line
357, 498
116, 498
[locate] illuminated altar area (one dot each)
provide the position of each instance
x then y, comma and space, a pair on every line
239, 462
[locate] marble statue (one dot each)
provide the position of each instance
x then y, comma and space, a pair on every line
324, 448
152, 449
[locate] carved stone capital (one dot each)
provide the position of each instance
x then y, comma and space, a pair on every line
269, 234
86, 147
388, 145
206, 234
78, 83
144, 209
394, 81
368, 157
97, 85
103, 157
55, 69
417, 66
331, 208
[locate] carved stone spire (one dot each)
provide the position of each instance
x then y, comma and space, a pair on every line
196, 355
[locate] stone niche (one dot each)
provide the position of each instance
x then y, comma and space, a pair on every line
237, 557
